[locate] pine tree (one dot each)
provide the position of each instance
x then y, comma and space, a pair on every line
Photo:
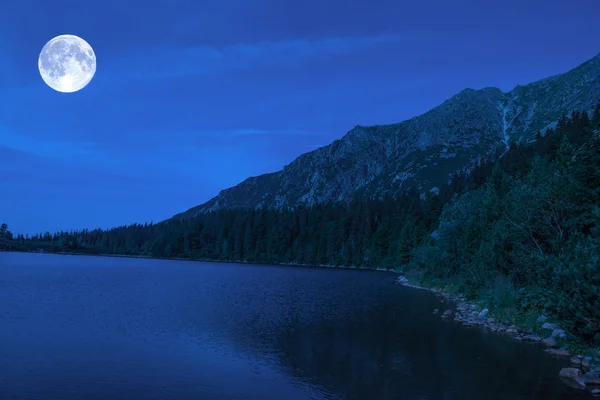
3, 236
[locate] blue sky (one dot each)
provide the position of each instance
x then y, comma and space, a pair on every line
191, 97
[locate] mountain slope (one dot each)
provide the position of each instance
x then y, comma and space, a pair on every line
423, 151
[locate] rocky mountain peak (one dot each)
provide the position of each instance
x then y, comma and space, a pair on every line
421, 152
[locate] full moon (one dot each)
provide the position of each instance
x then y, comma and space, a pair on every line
67, 63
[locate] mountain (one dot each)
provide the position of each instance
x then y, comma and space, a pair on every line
421, 152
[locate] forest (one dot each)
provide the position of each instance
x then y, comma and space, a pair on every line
520, 229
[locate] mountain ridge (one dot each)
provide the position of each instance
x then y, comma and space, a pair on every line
421, 152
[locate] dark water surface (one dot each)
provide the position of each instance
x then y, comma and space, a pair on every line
123, 329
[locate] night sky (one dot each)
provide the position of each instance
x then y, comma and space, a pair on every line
191, 97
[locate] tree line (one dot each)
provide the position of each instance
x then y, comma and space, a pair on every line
522, 229
6, 237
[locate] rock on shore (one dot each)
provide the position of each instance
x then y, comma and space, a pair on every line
582, 374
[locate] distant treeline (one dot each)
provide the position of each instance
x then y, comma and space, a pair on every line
522, 229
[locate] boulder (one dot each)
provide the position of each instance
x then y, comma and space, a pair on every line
436, 311
576, 360
402, 280
559, 352
585, 362
549, 342
550, 326
483, 313
447, 314
541, 319
572, 377
512, 329
591, 378
570, 373
558, 333
531, 338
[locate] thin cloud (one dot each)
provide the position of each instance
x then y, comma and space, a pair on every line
254, 132
176, 138
46, 148
164, 62
27, 168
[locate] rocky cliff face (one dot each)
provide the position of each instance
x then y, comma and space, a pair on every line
423, 151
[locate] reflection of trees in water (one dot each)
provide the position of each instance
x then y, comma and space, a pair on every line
375, 341
362, 357
377, 355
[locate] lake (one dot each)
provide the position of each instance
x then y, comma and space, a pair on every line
79, 327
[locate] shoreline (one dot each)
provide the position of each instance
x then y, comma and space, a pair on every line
207, 260
584, 372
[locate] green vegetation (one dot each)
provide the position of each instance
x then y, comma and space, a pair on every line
5, 237
521, 232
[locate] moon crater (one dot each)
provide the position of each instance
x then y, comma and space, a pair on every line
67, 63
